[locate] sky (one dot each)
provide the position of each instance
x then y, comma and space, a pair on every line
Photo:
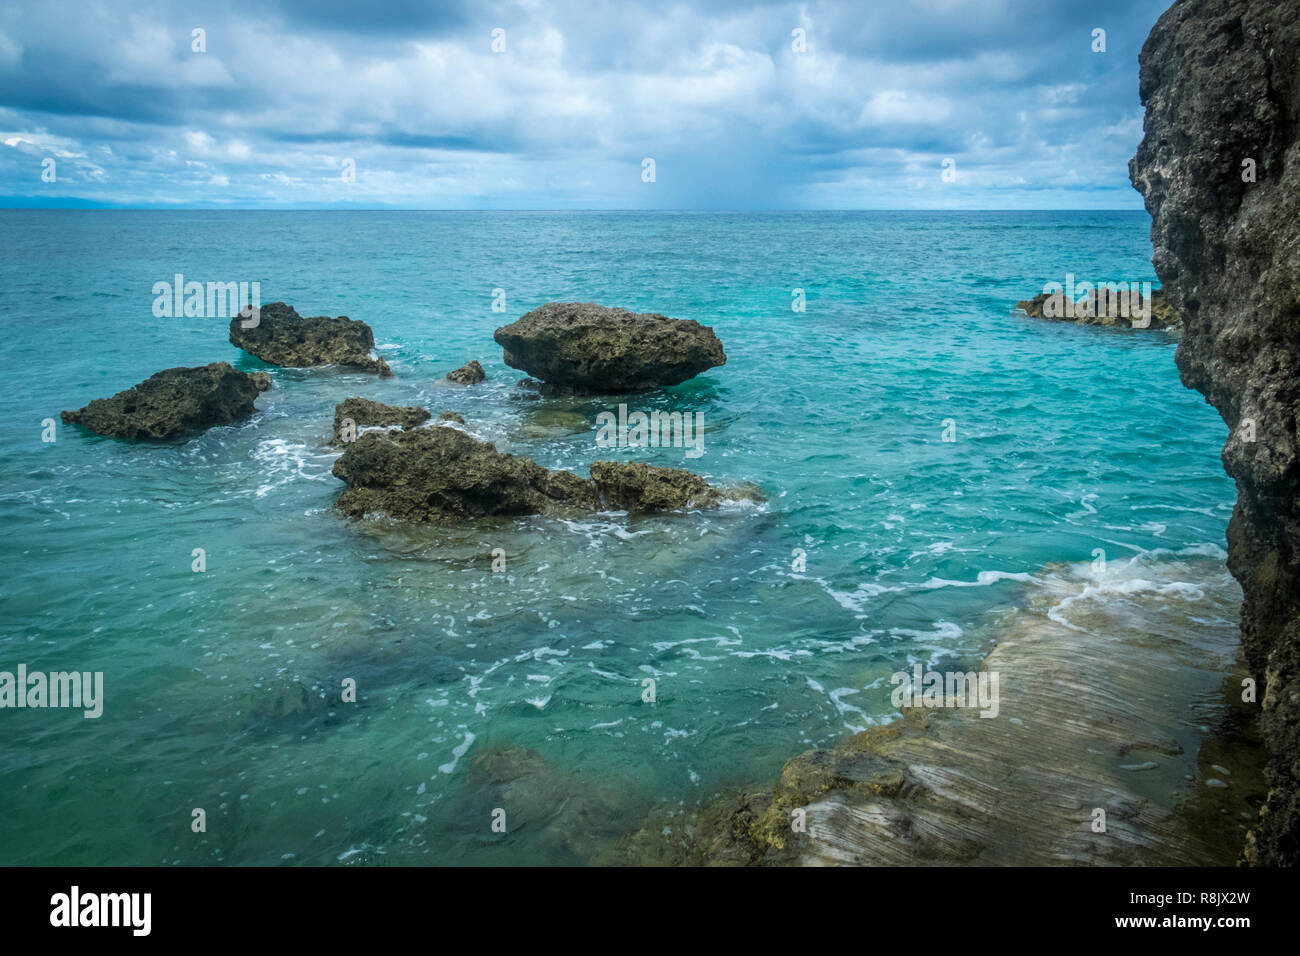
523, 104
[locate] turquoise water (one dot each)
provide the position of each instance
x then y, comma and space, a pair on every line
222, 687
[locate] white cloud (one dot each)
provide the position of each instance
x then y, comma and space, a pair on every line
715, 93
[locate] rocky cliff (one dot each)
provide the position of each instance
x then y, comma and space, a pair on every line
1219, 168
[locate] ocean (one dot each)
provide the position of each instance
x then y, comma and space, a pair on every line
933, 466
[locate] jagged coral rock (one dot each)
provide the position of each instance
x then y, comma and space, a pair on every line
1219, 168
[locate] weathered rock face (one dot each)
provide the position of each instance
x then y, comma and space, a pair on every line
471, 373
1221, 84
439, 473
174, 403
1088, 310
363, 413
590, 349
283, 337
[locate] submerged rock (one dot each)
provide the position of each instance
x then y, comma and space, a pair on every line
550, 813
438, 473
173, 403
1093, 309
363, 413
586, 348
450, 416
283, 337
1217, 168
545, 421
471, 373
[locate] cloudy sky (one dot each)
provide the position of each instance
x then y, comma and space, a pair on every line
326, 103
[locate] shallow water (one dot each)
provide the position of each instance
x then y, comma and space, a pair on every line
222, 687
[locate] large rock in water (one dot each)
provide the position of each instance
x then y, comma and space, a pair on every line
592, 349
1220, 171
283, 337
439, 473
174, 403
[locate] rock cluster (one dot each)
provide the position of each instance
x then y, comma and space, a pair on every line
434, 473
441, 473
584, 348
1219, 168
280, 336
437, 473
174, 403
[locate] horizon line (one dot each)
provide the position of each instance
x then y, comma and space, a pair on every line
110, 208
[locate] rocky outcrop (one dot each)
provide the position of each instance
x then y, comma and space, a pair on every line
1124, 309
450, 416
174, 403
1219, 168
280, 336
584, 348
471, 373
439, 473
353, 414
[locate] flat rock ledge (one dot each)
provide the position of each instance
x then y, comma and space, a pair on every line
1084, 725
581, 348
353, 414
1087, 310
285, 338
471, 373
440, 473
174, 403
